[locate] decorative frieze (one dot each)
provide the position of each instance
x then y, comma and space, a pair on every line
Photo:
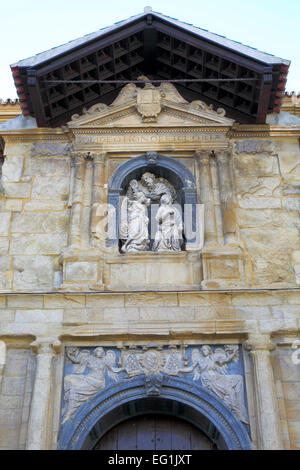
218, 369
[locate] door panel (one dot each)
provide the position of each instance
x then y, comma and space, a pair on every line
154, 432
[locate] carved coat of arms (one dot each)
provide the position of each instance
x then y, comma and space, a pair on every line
149, 102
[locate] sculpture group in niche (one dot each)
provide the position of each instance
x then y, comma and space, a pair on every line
134, 231
209, 367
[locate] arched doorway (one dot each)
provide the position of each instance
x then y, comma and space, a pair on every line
121, 402
155, 432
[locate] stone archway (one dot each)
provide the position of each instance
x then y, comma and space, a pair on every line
177, 398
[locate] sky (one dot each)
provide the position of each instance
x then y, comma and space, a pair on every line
32, 26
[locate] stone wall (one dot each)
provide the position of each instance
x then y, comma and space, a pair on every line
36, 214
15, 398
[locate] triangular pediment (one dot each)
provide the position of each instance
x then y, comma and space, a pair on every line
150, 106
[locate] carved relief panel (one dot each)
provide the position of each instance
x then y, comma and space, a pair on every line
218, 369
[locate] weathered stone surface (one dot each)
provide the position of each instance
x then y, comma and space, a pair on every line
47, 167
272, 267
267, 217
289, 159
256, 165
258, 187
105, 300
290, 189
291, 203
140, 300
44, 244
39, 223
253, 146
259, 203
33, 273
4, 223
166, 314
44, 205
261, 239
64, 301
204, 299
13, 205
5, 280
49, 148
7, 315
12, 169
17, 190
39, 316
4, 242
81, 271
54, 187
121, 314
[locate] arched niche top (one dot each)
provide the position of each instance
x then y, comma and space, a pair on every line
167, 167
197, 405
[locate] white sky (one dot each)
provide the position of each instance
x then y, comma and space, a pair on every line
32, 26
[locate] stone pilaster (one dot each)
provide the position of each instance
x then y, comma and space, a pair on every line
41, 397
268, 419
87, 201
2, 360
98, 200
216, 198
75, 223
207, 197
226, 192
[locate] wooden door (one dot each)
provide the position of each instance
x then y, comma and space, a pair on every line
154, 432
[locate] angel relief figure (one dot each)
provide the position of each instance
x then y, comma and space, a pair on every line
78, 386
211, 367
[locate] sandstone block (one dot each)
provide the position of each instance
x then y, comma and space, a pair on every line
4, 223
33, 273
176, 314
204, 299
44, 244
278, 239
54, 187
21, 149
5, 263
64, 301
39, 223
291, 390
105, 300
267, 217
39, 316
44, 205
258, 186
4, 242
47, 166
291, 203
260, 203
272, 267
17, 190
7, 315
159, 300
120, 314
13, 386
77, 316
5, 281
12, 169
256, 165
81, 271
25, 301
13, 205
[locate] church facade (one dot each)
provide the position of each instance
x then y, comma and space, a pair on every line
149, 242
